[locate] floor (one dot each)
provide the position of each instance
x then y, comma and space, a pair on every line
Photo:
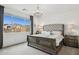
69, 51
23, 49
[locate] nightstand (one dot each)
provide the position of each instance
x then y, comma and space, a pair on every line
71, 40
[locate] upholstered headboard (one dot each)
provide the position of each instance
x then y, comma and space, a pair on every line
54, 27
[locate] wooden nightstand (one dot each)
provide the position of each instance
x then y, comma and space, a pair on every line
71, 40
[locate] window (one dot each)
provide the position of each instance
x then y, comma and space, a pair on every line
7, 24
16, 24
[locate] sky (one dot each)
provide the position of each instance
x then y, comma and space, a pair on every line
17, 20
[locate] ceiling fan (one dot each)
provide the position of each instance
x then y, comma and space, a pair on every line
37, 12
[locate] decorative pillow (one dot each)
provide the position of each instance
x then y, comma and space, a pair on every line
51, 33
46, 32
57, 32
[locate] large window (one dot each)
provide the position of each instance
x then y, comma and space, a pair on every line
7, 24
16, 24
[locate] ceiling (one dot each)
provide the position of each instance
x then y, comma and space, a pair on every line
44, 8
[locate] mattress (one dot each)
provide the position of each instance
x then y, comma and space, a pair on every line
58, 38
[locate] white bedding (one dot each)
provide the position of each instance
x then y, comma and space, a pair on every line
58, 38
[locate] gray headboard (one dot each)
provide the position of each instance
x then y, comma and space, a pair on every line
54, 27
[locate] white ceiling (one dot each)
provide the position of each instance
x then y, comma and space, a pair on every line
45, 8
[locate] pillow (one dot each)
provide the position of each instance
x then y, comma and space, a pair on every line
46, 32
51, 33
57, 32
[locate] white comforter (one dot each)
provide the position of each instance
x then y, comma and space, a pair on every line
58, 38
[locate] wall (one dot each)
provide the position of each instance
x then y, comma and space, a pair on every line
68, 17
12, 38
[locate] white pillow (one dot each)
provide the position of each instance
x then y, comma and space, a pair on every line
57, 32
46, 32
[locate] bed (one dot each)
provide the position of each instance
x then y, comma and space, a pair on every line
48, 43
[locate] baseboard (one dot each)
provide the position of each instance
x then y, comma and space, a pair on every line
13, 45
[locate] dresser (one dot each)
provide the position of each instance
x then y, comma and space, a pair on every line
71, 40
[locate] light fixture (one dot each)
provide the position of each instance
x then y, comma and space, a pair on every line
72, 29
37, 11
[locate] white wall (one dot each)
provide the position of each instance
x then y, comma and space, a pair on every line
12, 38
65, 17
69, 16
